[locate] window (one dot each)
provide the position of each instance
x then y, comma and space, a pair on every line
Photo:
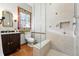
24, 19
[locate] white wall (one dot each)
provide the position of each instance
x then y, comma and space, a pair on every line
65, 12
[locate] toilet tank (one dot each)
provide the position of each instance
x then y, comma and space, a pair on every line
27, 34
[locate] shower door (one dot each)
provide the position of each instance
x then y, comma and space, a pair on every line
77, 29
39, 27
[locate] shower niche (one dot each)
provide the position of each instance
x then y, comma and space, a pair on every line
65, 25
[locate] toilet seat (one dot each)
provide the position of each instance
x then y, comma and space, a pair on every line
30, 39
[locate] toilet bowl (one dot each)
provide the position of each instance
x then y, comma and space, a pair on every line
29, 39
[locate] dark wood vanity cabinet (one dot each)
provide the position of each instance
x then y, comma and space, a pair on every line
10, 43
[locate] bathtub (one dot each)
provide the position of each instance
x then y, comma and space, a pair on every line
41, 48
62, 42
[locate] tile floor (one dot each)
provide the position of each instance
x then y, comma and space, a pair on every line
53, 52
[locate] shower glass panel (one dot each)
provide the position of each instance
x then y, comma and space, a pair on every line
77, 37
39, 31
76, 31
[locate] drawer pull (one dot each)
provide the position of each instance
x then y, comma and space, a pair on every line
11, 42
8, 43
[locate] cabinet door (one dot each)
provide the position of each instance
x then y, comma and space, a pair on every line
17, 36
14, 40
5, 44
11, 48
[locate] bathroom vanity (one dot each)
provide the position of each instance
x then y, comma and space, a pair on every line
10, 42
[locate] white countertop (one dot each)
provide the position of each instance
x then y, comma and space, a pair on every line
10, 33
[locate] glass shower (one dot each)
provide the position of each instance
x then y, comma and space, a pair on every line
39, 27
55, 29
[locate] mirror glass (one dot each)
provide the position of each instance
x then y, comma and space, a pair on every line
8, 21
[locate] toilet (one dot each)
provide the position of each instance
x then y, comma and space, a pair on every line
29, 39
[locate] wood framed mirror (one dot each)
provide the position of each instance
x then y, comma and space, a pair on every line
24, 19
